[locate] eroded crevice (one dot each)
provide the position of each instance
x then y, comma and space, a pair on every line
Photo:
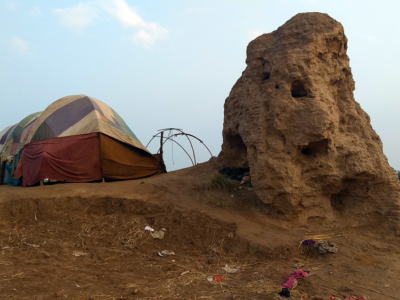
298, 89
237, 149
266, 76
315, 148
338, 200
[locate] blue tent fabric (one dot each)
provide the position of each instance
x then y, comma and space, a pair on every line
8, 179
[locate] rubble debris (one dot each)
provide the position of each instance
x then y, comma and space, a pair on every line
326, 246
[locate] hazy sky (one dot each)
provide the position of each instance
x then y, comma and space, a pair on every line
166, 64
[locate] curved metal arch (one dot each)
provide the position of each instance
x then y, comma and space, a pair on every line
180, 133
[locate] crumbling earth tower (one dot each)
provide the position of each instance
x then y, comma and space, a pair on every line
292, 118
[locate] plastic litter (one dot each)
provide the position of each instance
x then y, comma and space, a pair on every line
285, 293
291, 281
229, 270
165, 253
214, 278
157, 235
149, 228
305, 243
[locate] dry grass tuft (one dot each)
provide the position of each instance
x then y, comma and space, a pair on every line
221, 182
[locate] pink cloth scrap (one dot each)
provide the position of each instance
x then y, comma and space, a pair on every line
296, 275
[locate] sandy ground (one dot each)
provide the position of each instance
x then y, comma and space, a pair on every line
87, 241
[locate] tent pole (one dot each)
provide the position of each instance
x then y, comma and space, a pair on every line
161, 145
13, 167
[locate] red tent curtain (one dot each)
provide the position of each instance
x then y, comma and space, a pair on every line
70, 159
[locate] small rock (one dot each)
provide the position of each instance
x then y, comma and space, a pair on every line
157, 235
298, 265
246, 179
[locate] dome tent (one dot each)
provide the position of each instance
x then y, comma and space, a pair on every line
80, 139
11, 141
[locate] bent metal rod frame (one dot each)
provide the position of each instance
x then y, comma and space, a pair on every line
170, 137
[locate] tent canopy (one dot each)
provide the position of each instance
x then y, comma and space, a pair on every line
75, 139
80, 114
17, 136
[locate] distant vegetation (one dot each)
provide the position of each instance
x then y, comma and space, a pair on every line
398, 174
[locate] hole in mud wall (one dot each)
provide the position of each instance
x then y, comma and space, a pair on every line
277, 87
338, 201
238, 149
306, 151
266, 76
298, 90
316, 148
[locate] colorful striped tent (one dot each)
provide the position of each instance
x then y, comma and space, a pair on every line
81, 139
18, 135
11, 142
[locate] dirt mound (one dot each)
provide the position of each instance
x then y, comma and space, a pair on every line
292, 118
88, 241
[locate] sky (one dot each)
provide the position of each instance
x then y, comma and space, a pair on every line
163, 64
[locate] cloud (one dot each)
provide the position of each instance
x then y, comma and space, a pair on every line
144, 33
19, 46
370, 38
78, 17
36, 12
121, 10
